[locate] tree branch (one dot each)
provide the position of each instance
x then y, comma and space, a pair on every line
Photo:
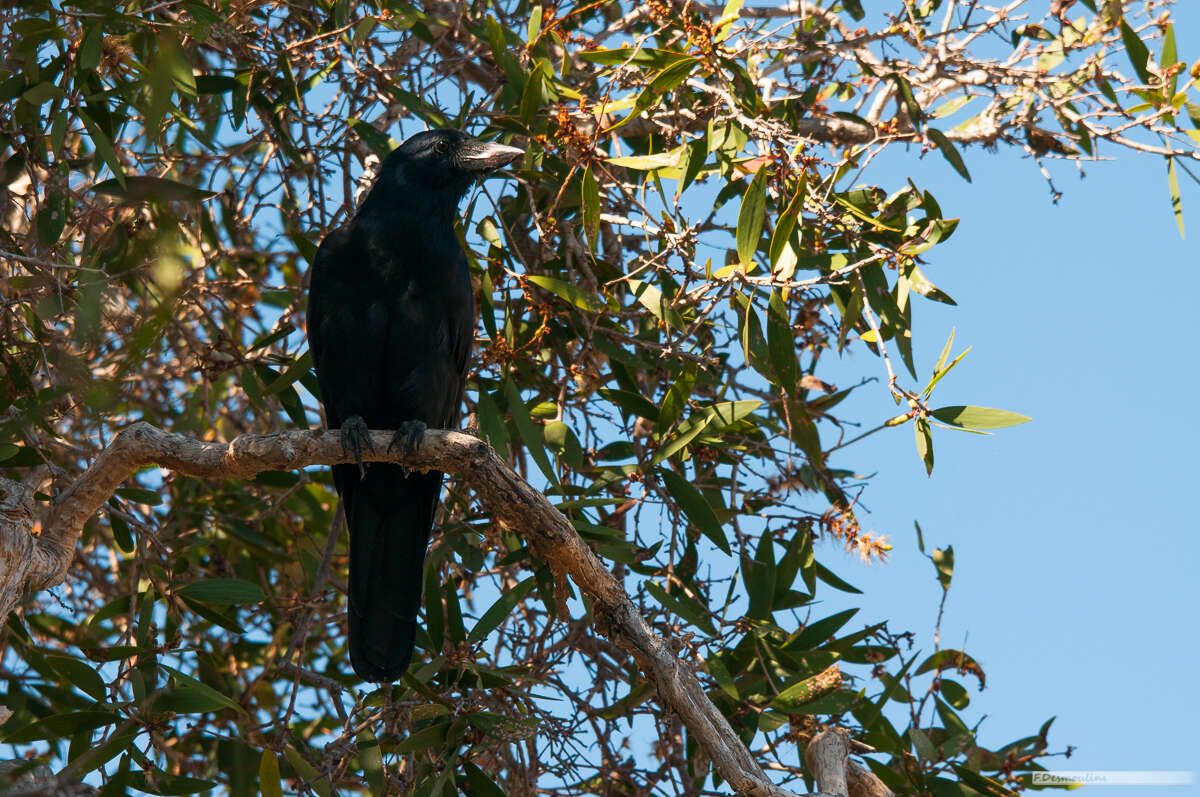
32, 561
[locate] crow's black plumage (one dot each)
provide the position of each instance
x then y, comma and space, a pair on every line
390, 324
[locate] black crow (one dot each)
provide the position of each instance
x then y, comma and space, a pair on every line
390, 324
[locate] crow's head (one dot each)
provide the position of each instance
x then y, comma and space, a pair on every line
444, 162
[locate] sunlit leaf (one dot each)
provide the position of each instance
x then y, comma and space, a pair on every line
924, 439
661, 160
581, 298
978, 417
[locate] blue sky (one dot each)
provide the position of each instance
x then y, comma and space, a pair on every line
1076, 541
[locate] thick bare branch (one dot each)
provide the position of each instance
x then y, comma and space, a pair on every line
38, 562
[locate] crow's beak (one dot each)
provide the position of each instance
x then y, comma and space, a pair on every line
483, 156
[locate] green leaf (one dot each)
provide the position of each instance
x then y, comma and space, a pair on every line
223, 590
534, 28
909, 100
817, 633
948, 150
479, 784
980, 784
941, 361
673, 74
187, 683
294, 372
491, 424
270, 783
1139, 55
661, 160
652, 299
531, 97
943, 370
425, 739
106, 751
720, 673
140, 496
836, 703
722, 414
949, 659
944, 562
80, 675
138, 188
639, 693
207, 612
730, 12
573, 294
796, 695
1176, 201
531, 434
951, 106
370, 759
630, 403
921, 284
561, 439
166, 784
970, 417
691, 164
307, 772
58, 726
924, 443
104, 147
380, 143
786, 225
499, 610
122, 535
696, 507
758, 576
645, 56
851, 314
52, 218
927, 235
676, 400
42, 93
781, 344
1170, 57
92, 46
751, 216
955, 694
591, 205
683, 606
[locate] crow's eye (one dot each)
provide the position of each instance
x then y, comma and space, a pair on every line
442, 146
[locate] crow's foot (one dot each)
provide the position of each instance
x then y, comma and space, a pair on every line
408, 439
355, 435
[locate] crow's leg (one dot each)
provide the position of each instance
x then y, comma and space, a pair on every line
355, 435
408, 438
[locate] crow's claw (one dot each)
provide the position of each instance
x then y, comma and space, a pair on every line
355, 435
408, 438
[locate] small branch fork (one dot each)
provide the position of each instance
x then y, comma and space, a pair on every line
35, 561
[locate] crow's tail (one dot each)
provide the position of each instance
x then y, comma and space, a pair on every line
390, 516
